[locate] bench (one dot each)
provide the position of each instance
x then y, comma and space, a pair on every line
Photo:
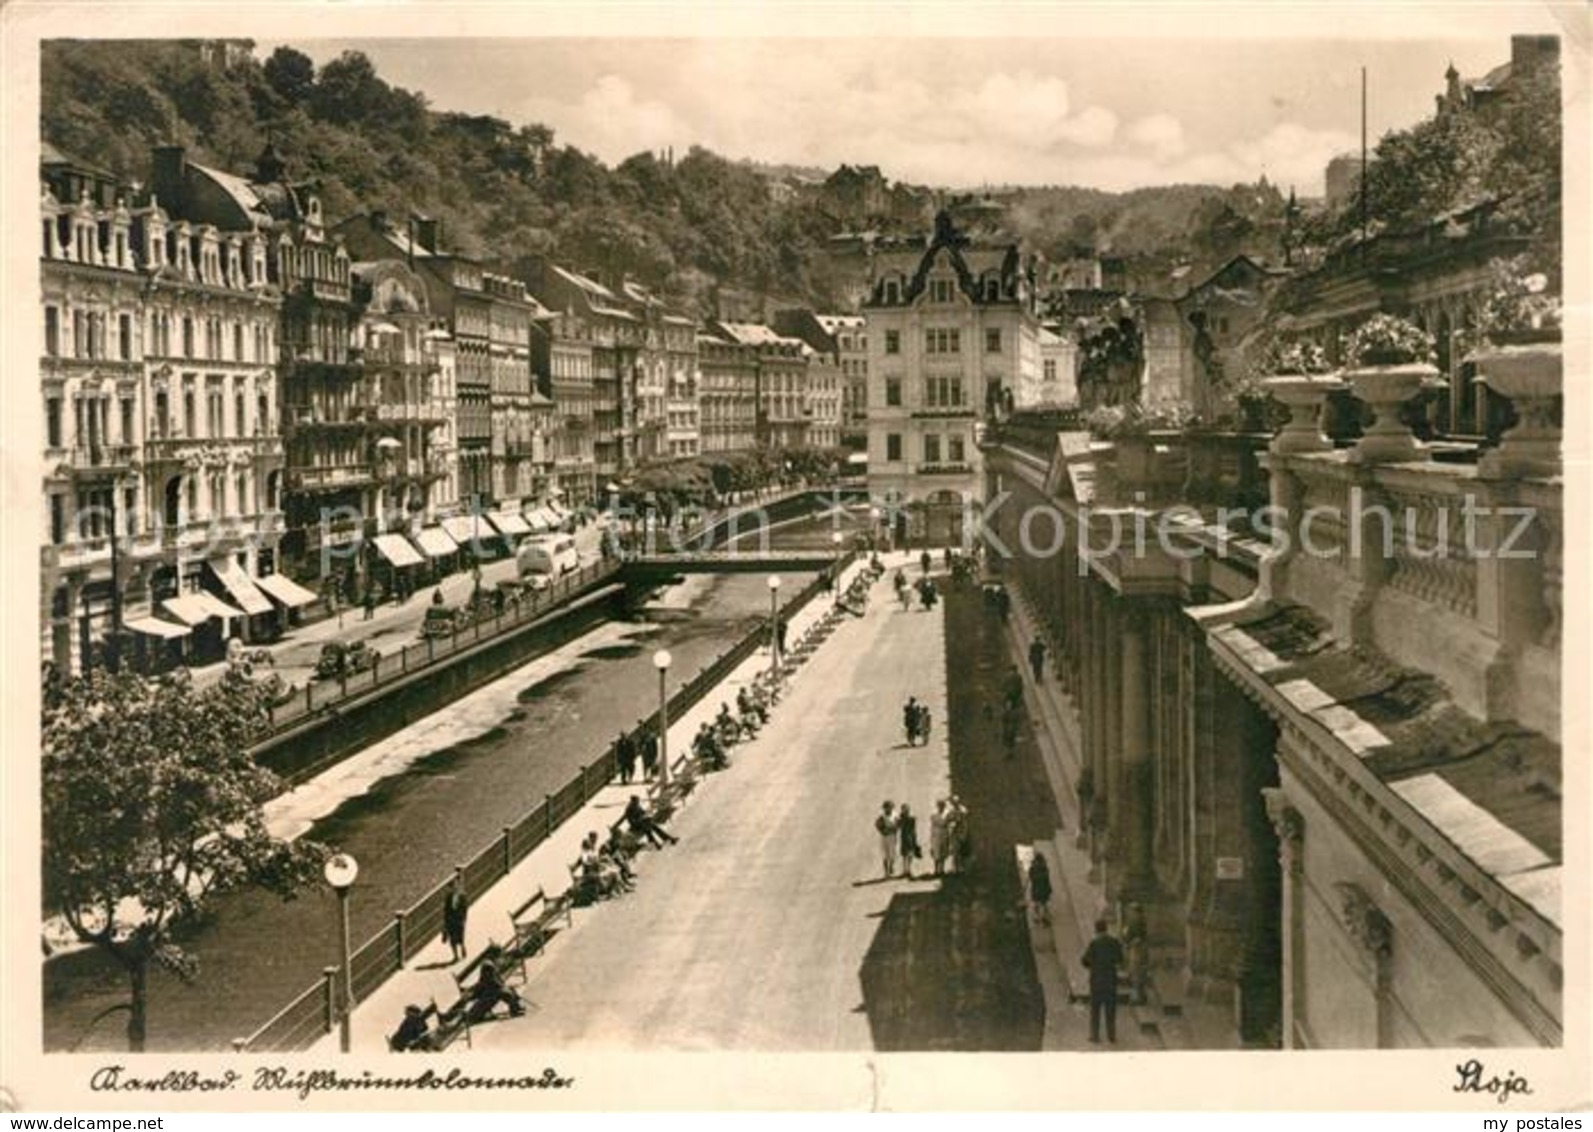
530, 923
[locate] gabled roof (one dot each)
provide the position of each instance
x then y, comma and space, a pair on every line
591, 286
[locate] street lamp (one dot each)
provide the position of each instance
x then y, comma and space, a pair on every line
661, 660
836, 539
341, 869
774, 622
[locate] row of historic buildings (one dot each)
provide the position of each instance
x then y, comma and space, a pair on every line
241, 398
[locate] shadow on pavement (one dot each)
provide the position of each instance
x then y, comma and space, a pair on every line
952, 968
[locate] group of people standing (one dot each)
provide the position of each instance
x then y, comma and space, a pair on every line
924, 588
950, 843
629, 749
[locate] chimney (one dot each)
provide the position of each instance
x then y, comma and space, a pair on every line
166, 179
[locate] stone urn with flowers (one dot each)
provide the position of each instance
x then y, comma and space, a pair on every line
1519, 358
1300, 380
1390, 362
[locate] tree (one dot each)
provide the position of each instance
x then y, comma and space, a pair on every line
151, 807
291, 74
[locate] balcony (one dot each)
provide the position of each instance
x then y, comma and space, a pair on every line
944, 469
97, 461
947, 413
334, 478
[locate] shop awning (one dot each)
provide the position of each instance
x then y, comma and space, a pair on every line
465, 529
509, 523
154, 627
539, 520
284, 589
196, 608
435, 543
240, 586
397, 550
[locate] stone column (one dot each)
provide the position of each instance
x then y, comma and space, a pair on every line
1291, 851
1369, 927
1132, 816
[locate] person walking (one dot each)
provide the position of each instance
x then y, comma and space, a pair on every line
939, 837
1040, 888
1011, 725
1103, 957
456, 909
779, 635
1037, 658
923, 562
370, 602
885, 826
907, 831
910, 720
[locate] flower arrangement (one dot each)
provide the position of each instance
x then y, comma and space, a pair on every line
1517, 304
1387, 340
1297, 358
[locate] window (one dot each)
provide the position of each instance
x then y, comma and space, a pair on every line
127, 421
931, 449
1050, 369
190, 419
124, 337
52, 331
57, 519
262, 418
891, 291
942, 341
188, 337
943, 392
213, 411
893, 391
239, 424
993, 341
893, 446
237, 341
52, 421
130, 511
955, 452
940, 290
893, 341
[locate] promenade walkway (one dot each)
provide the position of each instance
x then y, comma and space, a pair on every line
770, 927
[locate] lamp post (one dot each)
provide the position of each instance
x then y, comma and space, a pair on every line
341, 869
774, 622
661, 660
836, 538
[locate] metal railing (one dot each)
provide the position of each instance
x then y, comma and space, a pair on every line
321, 695
314, 1012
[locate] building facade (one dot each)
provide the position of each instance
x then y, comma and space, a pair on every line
562, 359
952, 329
727, 393
1331, 774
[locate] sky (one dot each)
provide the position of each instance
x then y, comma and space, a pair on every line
1112, 113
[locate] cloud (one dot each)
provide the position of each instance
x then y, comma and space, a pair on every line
610, 120
1162, 134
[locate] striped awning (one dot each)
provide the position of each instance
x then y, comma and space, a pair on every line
198, 607
539, 520
465, 529
509, 523
284, 589
434, 542
155, 627
239, 585
397, 550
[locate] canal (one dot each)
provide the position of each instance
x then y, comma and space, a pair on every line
409, 808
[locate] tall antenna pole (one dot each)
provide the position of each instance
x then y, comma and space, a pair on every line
1363, 155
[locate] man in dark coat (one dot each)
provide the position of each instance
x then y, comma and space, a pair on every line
625, 757
414, 1032
455, 910
1103, 957
1037, 658
643, 825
